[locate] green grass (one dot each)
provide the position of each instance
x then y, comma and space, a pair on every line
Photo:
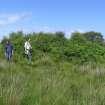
49, 83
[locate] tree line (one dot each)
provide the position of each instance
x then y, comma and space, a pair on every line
79, 48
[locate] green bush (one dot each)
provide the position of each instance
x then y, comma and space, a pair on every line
77, 49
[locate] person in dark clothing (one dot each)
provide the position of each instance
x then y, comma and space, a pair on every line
8, 51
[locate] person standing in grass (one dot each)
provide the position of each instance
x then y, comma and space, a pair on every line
8, 50
28, 50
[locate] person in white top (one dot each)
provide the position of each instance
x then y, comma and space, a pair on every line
28, 49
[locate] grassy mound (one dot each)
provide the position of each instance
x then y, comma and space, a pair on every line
51, 83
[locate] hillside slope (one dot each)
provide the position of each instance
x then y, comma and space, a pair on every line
51, 84
63, 71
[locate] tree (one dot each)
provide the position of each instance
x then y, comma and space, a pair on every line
60, 34
78, 37
94, 36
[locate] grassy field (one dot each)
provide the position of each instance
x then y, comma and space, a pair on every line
49, 83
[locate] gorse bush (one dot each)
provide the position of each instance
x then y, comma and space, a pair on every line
80, 48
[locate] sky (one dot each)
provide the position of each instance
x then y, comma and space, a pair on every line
51, 16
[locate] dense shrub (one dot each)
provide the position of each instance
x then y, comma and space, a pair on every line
80, 48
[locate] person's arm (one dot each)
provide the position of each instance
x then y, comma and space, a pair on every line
5, 48
25, 45
30, 46
12, 49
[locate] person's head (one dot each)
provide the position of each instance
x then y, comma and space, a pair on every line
8, 41
29, 39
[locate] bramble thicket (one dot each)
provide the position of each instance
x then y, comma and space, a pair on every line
79, 48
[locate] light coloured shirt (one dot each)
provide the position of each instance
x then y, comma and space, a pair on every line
27, 47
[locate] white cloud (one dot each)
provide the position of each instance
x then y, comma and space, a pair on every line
6, 19
68, 33
79, 30
14, 18
42, 29
2, 22
46, 29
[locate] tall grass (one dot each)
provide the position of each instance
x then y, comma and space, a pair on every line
50, 83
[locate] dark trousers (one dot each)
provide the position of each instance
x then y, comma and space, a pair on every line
8, 56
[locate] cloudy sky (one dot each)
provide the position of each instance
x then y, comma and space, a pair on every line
51, 15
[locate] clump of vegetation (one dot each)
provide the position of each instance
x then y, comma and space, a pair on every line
80, 48
63, 71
